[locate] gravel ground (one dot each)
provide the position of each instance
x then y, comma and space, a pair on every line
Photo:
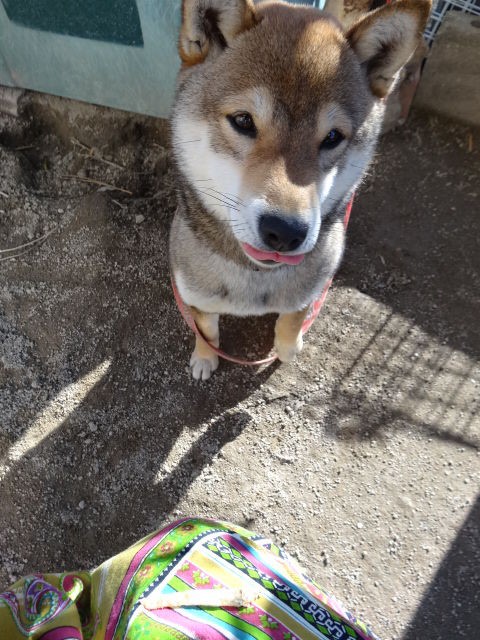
362, 458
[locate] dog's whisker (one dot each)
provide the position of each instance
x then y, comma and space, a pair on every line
185, 141
226, 204
208, 190
226, 193
236, 225
234, 200
230, 196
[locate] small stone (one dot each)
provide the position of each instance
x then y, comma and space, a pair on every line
92, 427
81, 505
359, 525
139, 218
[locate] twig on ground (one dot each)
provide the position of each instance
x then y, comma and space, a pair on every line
98, 182
30, 244
93, 155
119, 204
470, 141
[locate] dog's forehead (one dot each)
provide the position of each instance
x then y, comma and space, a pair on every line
299, 54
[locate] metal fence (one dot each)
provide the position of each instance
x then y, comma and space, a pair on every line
439, 11
441, 8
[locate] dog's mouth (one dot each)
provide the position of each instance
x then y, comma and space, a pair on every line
271, 257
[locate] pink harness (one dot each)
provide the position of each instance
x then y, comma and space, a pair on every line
313, 312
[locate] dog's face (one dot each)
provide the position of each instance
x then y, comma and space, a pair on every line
277, 113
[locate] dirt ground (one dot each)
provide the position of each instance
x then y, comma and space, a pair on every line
362, 458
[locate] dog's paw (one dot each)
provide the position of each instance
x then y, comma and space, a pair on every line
287, 352
203, 367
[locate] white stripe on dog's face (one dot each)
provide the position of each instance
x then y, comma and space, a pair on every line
216, 177
207, 171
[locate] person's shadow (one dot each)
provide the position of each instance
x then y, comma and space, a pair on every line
451, 604
101, 414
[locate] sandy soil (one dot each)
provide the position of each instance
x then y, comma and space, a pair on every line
362, 458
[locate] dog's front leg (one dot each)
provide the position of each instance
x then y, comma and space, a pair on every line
288, 334
204, 361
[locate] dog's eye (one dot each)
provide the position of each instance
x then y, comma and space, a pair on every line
332, 139
243, 123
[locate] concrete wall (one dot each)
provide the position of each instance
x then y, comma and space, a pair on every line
450, 83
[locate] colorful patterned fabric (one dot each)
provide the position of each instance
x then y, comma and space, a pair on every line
190, 554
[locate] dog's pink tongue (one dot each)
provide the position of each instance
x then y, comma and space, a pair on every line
272, 255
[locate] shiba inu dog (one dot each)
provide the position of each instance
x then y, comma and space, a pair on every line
275, 121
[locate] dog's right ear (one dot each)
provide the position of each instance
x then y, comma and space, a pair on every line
208, 26
385, 39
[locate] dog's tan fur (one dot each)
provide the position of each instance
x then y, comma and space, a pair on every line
299, 76
348, 11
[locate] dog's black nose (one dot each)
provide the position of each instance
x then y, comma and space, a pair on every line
282, 233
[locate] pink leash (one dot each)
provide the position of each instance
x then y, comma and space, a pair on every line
307, 323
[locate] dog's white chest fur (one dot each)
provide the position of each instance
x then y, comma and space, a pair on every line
242, 293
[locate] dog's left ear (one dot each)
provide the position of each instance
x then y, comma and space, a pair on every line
208, 26
386, 38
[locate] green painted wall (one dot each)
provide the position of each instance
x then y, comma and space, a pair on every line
120, 53
108, 20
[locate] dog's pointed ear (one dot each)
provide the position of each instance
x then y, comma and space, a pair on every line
209, 26
385, 39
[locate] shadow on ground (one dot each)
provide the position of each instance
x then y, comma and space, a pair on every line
451, 605
413, 238
414, 246
95, 385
